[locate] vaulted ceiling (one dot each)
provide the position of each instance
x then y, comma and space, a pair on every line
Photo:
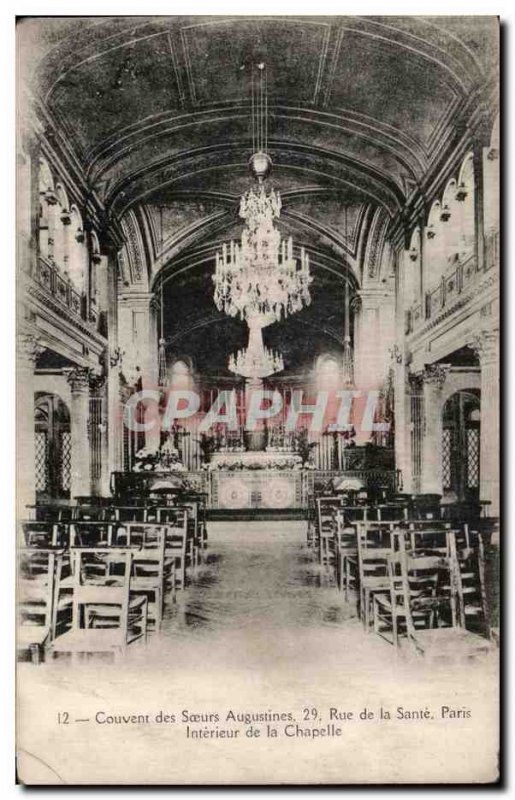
159, 104
158, 110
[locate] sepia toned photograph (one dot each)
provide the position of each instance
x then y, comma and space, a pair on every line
258, 400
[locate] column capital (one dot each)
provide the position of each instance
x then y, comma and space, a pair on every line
486, 346
30, 347
433, 375
79, 378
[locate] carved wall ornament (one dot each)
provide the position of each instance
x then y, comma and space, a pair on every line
30, 346
435, 374
486, 345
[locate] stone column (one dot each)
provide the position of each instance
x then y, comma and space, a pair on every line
402, 421
114, 414
433, 378
29, 348
487, 347
375, 335
78, 378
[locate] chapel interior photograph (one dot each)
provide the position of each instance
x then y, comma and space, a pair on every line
257, 342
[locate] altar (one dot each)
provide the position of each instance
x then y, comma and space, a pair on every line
256, 489
266, 479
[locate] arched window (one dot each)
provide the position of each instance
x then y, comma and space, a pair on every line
52, 447
461, 445
181, 375
328, 372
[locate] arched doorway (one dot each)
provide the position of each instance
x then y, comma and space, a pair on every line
52, 447
461, 446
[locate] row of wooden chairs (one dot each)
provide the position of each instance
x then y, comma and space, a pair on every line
368, 547
102, 567
118, 584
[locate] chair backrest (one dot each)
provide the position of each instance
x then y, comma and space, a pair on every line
375, 545
174, 517
414, 580
326, 508
149, 559
101, 577
38, 572
89, 533
42, 533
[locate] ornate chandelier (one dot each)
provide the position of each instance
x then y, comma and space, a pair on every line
258, 278
256, 361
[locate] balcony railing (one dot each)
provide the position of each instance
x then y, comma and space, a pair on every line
61, 288
452, 284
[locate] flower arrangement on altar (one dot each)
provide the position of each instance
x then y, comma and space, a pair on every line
291, 462
161, 459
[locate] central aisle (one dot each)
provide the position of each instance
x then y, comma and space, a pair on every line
261, 600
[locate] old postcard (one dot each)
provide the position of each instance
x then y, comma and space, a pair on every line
258, 400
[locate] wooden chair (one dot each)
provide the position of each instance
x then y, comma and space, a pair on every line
38, 601
176, 521
326, 507
147, 542
468, 584
95, 513
420, 609
375, 545
105, 618
346, 556
418, 582
91, 533
44, 534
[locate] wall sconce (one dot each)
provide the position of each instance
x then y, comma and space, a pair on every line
445, 213
116, 356
493, 154
79, 235
413, 254
461, 192
65, 217
51, 197
431, 233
